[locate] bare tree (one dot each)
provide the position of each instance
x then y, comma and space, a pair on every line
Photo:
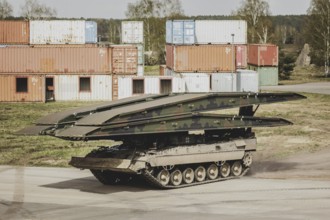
32, 9
318, 31
6, 9
256, 13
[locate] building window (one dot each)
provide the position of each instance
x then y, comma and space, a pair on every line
138, 86
84, 84
165, 86
22, 84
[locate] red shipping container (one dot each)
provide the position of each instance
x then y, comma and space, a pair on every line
201, 58
263, 55
14, 32
55, 60
124, 59
241, 56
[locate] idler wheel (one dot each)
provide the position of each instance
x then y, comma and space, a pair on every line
164, 177
188, 176
176, 178
212, 172
200, 174
236, 168
225, 170
247, 159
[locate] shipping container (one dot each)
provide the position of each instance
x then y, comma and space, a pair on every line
22, 88
140, 48
190, 82
241, 56
82, 87
263, 54
268, 76
180, 32
220, 32
202, 58
57, 32
55, 60
124, 59
162, 69
129, 85
140, 70
223, 82
132, 32
90, 32
14, 32
247, 81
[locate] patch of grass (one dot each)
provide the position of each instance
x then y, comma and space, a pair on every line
37, 150
151, 70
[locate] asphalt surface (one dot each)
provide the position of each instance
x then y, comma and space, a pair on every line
320, 87
65, 193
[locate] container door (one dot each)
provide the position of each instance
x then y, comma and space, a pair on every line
50, 89
165, 86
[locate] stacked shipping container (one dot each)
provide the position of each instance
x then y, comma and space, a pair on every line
214, 47
263, 58
58, 64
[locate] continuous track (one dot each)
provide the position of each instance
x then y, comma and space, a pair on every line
154, 182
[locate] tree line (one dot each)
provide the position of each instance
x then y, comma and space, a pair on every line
312, 28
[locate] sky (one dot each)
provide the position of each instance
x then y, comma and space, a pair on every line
117, 8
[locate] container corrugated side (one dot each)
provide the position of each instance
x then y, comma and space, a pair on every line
132, 32
66, 88
14, 32
140, 70
268, 76
124, 59
35, 93
140, 54
241, 56
247, 81
90, 32
57, 32
169, 30
196, 82
220, 32
202, 58
263, 54
55, 60
223, 82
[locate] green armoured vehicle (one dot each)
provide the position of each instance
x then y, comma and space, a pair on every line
169, 140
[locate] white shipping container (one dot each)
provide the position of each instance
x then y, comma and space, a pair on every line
140, 70
247, 81
132, 32
151, 85
220, 31
223, 82
178, 84
57, 32
67, 88
196, 82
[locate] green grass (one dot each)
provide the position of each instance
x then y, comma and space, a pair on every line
37, 150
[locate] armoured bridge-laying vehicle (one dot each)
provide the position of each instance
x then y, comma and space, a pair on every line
170, 140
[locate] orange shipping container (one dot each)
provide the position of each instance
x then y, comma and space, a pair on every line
201, 58
124, 59
22, 88
241, 56
263, 55
55, 60
14, 32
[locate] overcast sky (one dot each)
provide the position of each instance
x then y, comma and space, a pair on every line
117, 8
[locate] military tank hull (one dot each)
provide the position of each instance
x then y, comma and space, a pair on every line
170, 140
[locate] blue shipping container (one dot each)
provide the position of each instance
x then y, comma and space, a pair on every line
91, 32
180, 32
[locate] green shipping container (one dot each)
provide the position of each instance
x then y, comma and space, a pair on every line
268, 76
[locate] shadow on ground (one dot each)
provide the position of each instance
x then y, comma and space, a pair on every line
91, 185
